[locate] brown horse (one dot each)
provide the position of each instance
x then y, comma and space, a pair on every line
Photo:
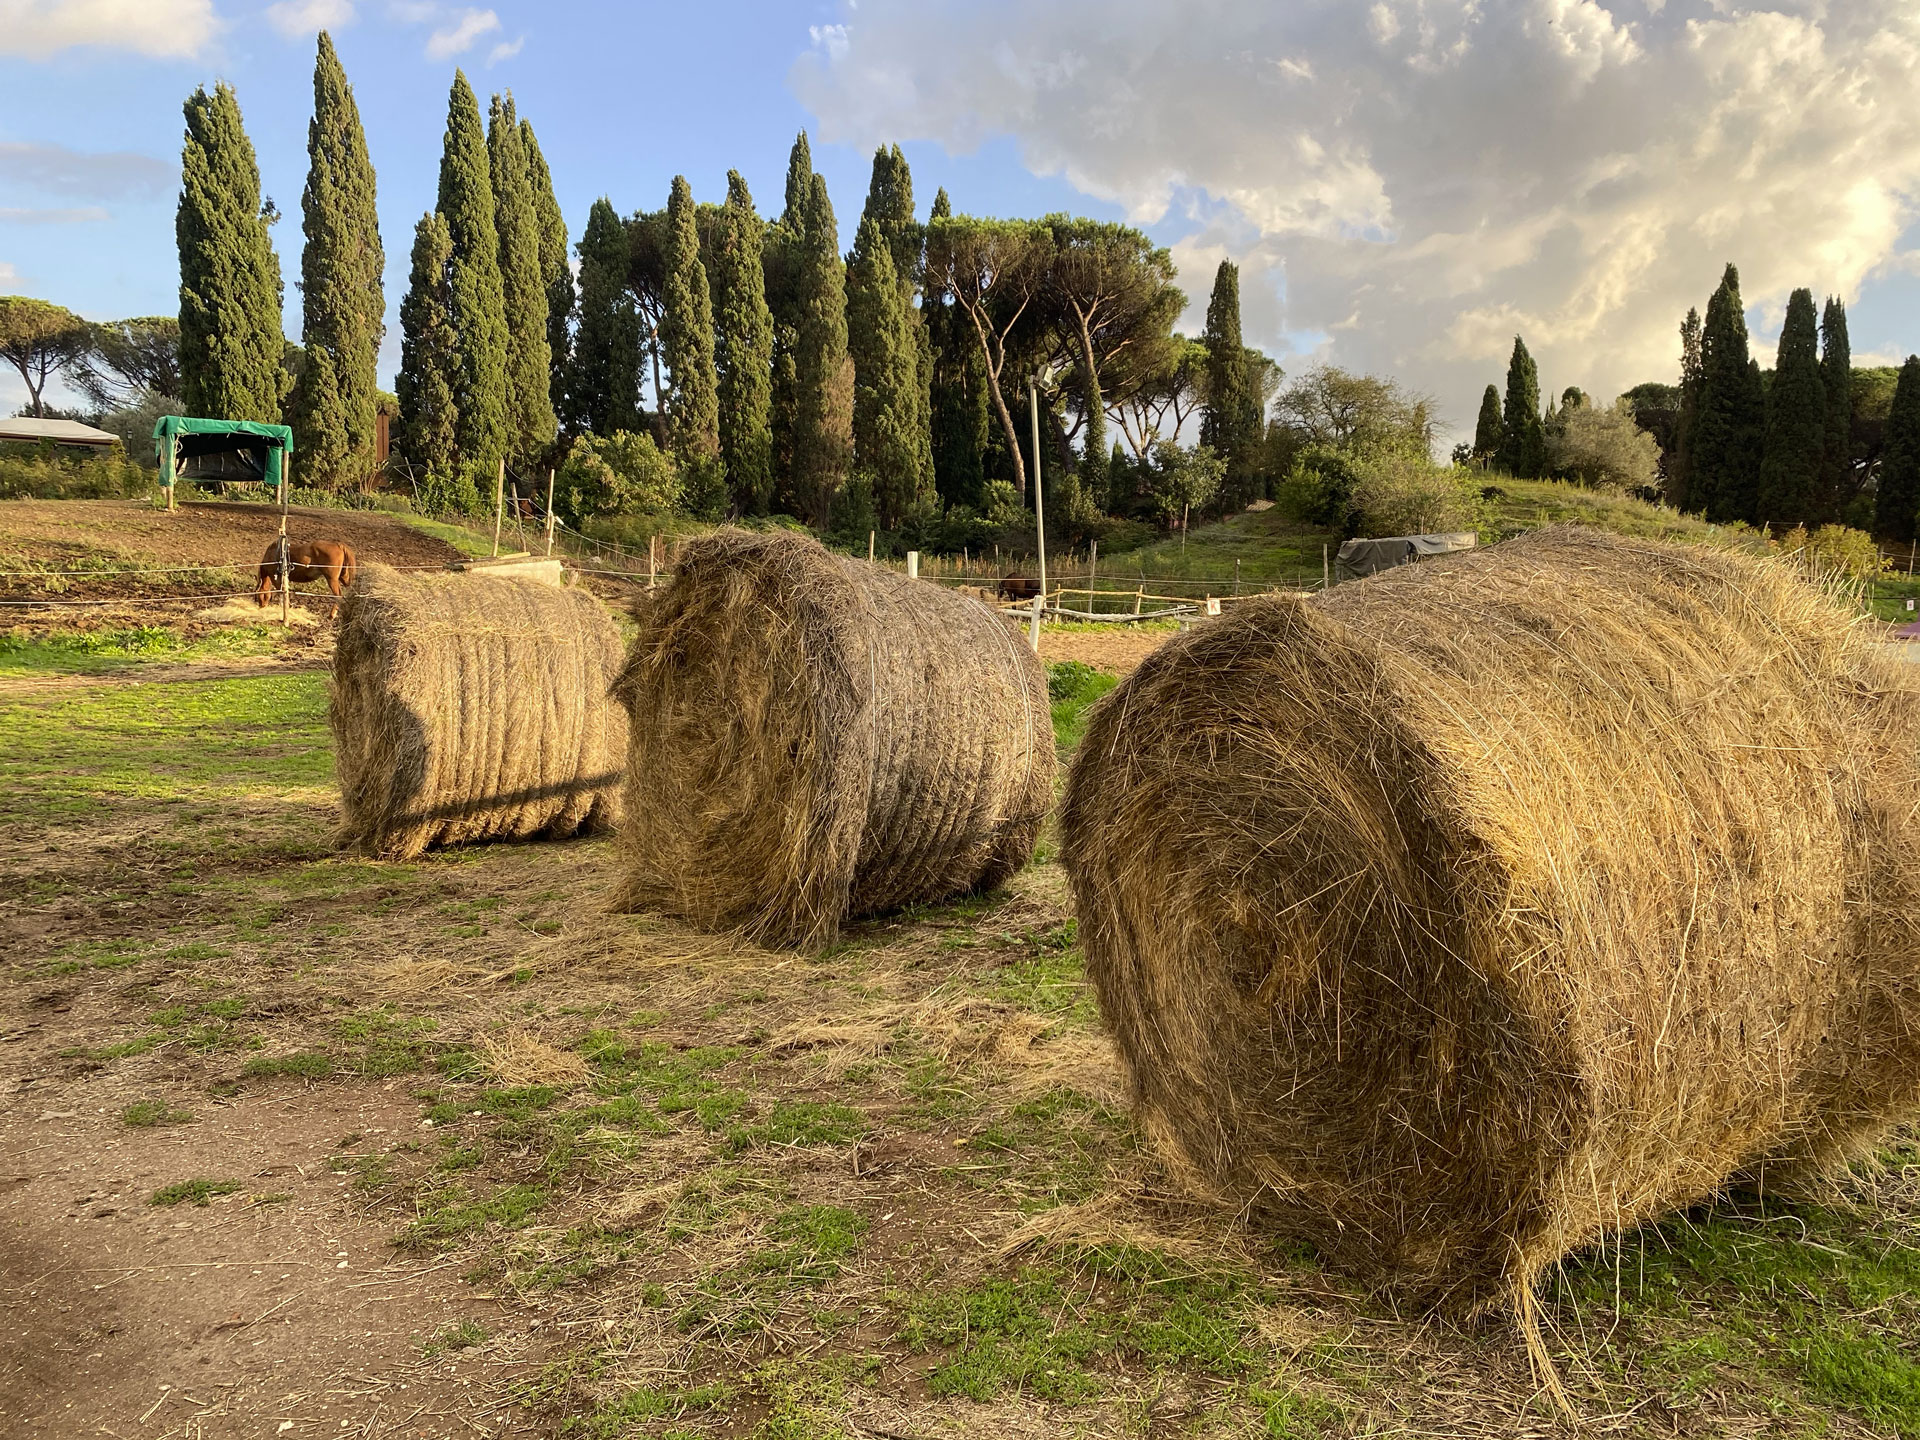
307, 560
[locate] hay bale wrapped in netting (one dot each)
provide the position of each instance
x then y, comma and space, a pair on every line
814, 738
473, 708
1467, 913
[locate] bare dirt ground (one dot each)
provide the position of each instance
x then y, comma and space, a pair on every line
1117, 648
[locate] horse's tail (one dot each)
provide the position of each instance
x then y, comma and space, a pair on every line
349, 567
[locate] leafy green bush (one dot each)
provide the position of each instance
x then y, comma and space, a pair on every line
455, 494
1835, 550
42, 472
616, 474
1400, 494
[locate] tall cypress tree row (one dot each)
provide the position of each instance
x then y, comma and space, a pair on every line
1728, 434
744, 327
890, 208
1898, 496
692, 403
1681, 491
1523, 450
1488, 429
783, 256
429, 357
555, 274
343, 304
960, 421
523, 288
603, 382
1232, 422
479, 303
1836, 379
890, 450
1796, 409
799, 192
231, 343
823, 371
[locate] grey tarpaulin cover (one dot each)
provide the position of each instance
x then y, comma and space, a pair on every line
1367, 557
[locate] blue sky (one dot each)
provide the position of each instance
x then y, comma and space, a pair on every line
1406, 183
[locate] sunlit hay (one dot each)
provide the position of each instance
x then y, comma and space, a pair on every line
815, 738
839, 1045
1115, 1220
469, 709
1487, 906
245, 610
519, 1057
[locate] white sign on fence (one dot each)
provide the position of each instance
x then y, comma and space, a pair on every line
1213, 604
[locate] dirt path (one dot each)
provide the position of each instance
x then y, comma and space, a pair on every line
273, 1308
1119, 648
160, 673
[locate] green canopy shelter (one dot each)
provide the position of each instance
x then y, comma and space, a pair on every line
221, 452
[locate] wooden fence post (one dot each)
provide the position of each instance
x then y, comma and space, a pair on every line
499, 502
549, 512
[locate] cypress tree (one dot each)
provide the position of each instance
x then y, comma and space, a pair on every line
523, 289
890, 450
343, 305
1680, 488
960, 422
890, 207
1898, 495
322, 418
1729, 428
799, 196
479, 304
1523, 450
1488, 430
1232, 422
692, 403
429, 356
231, 345
555, 274
1796, 409
823, 371
1836, 378
603, 383
745, 342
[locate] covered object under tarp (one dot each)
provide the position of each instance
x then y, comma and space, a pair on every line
220, 451
1369, 557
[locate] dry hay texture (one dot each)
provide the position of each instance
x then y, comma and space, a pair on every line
471, 708
1474, 911
815, 738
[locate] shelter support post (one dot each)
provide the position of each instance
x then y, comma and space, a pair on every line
286, 567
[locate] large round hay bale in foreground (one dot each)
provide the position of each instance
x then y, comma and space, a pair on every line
815, 738
1469, 912
471, 708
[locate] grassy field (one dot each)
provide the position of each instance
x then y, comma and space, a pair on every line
672, 1186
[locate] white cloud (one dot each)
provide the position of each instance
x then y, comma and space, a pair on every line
84, 175
457, 37
1408, 183
14, 215
9, 277
505, 50
297, 19
164, 29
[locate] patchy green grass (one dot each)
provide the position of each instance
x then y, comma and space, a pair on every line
194, 1192
227, 761
306, 1065
1271, 549
454, 1215
1072, 689
146, 1114
95, 652
462, 1336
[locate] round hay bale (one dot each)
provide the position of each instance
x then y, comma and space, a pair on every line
815, 738
468, 708
1469, 912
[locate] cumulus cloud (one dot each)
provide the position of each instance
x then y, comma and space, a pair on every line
1406, 184
297, 19
505, 50
9, 277
164, 29
457, 36
83, 175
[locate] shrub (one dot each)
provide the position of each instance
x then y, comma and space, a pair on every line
1604, 449
1318, 489
455, 494
43, 472
617, 474
1835, 550
1400, 494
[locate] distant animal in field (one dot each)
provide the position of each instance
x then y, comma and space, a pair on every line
1019, 587
307, 560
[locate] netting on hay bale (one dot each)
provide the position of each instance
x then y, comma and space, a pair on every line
815, 738
470, 708
1482, 908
